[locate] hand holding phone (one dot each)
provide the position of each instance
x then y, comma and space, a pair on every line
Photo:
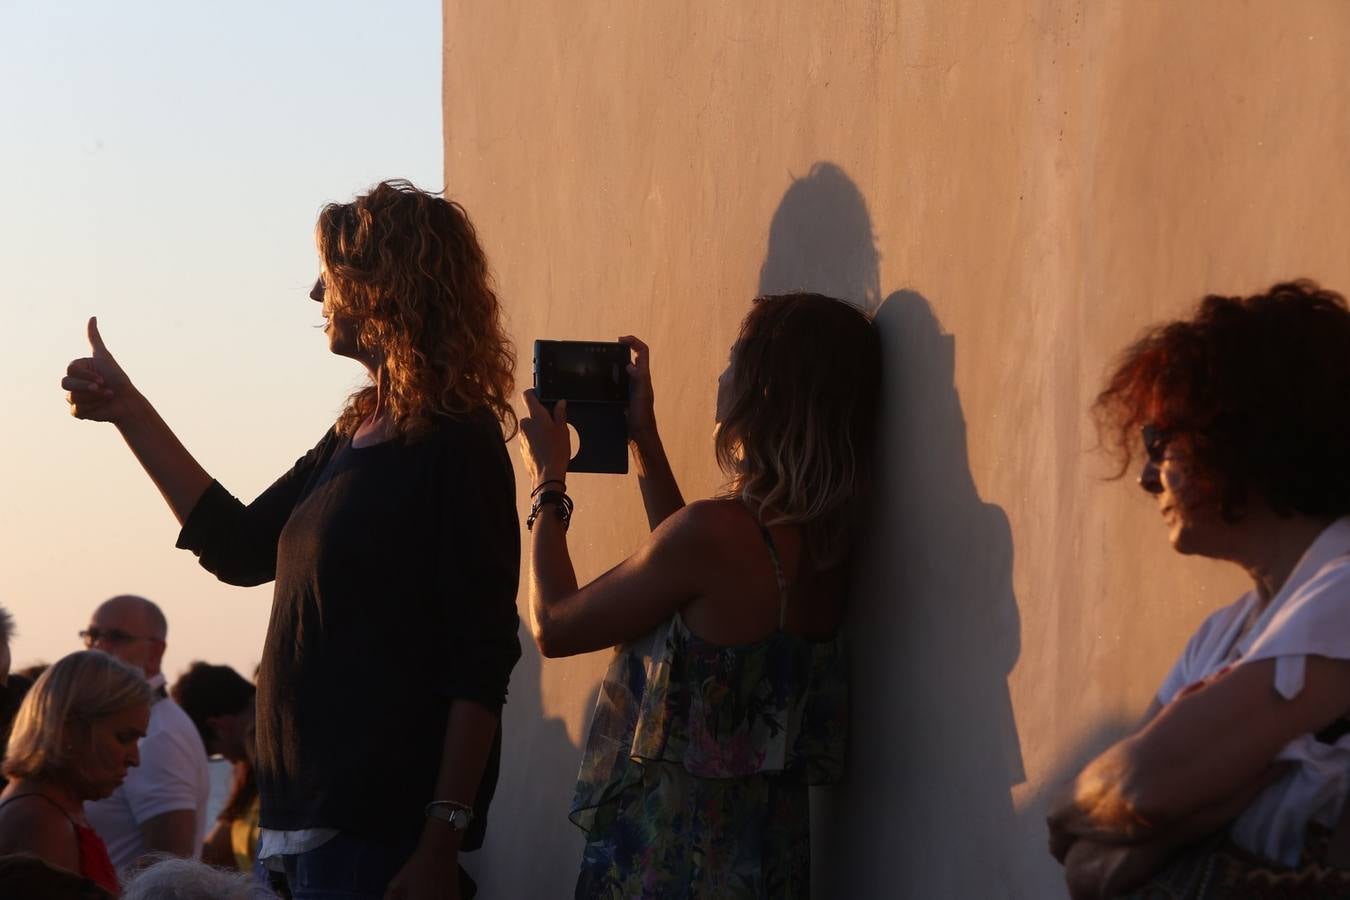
592, 376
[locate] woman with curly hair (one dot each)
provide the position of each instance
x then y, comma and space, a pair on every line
394, 546
1236, 782
726, 697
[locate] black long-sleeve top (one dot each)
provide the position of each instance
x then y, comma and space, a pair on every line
396, 569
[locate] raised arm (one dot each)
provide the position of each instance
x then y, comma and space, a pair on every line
660, 494
628, 600
235, 542
98, 389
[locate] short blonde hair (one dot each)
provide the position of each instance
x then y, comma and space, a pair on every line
82, 687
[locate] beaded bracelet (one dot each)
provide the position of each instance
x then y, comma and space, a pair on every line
538, 489
561, 503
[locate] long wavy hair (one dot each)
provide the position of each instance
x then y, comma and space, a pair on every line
799, 428
406, 266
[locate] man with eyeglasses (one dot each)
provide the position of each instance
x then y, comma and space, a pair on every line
161, 806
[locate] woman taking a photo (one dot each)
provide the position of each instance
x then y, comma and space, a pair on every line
394, 545
1239, 775
726, 697
75, 736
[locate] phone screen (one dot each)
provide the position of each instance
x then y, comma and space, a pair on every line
581, 371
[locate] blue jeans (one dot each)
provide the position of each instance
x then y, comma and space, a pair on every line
345, 868
352, 868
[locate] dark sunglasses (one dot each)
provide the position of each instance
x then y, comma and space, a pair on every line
92, 636
1156, 439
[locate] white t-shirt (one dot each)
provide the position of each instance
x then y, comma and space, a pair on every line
1309, 616
172, 776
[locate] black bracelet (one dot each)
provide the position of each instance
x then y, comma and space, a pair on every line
561, 503
540, 486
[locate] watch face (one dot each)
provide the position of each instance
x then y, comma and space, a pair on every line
458, 819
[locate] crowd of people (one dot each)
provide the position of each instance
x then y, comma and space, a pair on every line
396, 540
105, 774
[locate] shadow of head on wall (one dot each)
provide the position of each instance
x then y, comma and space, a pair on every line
933, 626
821, 241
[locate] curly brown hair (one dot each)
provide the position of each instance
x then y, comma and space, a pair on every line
1257, 388
798, 434
407, 267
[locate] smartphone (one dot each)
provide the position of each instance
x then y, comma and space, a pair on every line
581, 371
592, 376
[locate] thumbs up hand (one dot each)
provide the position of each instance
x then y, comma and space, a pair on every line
96, 387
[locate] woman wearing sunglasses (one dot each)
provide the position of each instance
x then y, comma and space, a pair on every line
394, 546
1236, 782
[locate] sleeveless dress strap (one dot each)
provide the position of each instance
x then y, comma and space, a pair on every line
95, 864
777, 566
58, 806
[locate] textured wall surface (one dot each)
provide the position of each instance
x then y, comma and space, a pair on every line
1016, 189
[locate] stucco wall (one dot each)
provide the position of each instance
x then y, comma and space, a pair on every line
1016, 188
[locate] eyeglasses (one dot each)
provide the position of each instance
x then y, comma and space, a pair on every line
1156, 439
93, 635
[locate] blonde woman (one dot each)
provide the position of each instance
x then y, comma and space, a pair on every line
74, 739
726, 697
395, 547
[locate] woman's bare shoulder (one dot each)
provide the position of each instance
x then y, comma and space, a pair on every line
705, 531
712, 524
35, 824
715, 512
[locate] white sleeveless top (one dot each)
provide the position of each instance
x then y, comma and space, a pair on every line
1309, 616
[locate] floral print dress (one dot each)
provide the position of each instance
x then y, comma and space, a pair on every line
694, 780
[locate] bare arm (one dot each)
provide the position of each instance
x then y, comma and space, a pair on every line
1202, 749
34, 826
98, 389
1094, 869
1062, 840
624, 603
218, 848
628, 600
1191, 769
433, 869
180, 478
172, 832
660, 493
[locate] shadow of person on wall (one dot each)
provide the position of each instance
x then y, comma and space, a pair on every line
933, 628
538, 773
820, 241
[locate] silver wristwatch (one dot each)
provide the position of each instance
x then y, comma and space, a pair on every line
457, 815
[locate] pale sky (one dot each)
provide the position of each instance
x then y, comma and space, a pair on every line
164, 164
